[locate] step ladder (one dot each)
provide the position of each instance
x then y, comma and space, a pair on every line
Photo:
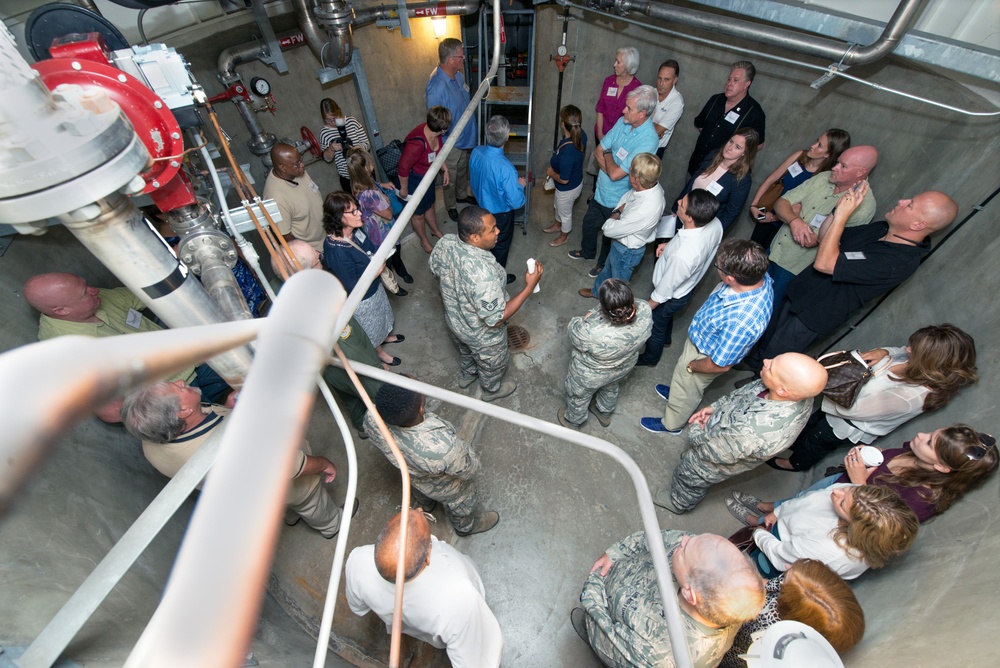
511, 94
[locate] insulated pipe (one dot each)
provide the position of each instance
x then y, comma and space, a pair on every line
119, 236
905, 16
209, 609
417, 10
335, 18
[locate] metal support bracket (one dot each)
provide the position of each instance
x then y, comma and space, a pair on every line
273, 56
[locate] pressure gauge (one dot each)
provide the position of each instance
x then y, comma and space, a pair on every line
260, 86
562, 50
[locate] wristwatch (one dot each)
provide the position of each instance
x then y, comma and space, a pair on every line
688, 367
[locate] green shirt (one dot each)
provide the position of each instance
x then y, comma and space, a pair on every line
818, 199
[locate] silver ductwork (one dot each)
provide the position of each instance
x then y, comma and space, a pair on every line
903, 19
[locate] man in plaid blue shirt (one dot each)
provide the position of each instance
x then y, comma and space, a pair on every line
722, 332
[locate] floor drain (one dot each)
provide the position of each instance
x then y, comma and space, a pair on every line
517, 337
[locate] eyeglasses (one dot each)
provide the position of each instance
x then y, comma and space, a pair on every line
427, 515
351, 212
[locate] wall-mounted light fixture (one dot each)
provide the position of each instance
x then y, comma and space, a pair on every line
440, 26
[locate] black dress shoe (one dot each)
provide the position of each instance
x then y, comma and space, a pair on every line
395, 362
468, 200
453, 214
406, 278
511, 278
644, 362
400, 292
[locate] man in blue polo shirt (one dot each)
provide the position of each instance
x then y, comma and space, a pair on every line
721, 333
447, 88
631, 135
496, 185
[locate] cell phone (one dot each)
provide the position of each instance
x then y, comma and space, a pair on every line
761, 213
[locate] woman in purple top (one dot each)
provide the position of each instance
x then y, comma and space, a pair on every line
930, 472
614, 90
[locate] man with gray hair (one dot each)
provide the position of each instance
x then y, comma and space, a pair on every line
173, 424
496, 185
447, 88
631, 135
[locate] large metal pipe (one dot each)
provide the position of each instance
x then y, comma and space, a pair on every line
905, 16
120, 237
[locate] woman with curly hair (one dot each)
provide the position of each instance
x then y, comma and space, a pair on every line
606, 345
924, 376
810, 593
347, 253
849, 528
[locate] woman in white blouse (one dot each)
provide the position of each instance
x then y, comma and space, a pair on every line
924, 376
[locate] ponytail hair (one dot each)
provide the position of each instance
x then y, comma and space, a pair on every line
571, 118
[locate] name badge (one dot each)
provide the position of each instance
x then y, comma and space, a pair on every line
817, 220
133, 319
431, 156
855, 255
621, 154
313, 187
612, 91
714, 188
361, 236
732, 116
795, 169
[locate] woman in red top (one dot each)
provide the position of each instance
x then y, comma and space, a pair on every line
420, 148
614, 90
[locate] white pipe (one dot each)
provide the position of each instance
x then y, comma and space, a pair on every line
83, 374
209, 609
337, 567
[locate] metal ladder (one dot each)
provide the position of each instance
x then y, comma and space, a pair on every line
512, 95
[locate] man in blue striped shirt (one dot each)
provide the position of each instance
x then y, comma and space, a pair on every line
722, 332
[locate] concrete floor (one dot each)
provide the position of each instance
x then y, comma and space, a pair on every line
561, 505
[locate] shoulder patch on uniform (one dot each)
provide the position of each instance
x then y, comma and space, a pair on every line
489, 306
346, 334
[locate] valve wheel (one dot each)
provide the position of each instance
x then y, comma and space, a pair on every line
310, 139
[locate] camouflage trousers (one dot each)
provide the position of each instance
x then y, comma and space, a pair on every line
487, 362
692, 479
602, 386
459, 497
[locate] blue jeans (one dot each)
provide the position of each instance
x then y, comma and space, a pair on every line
621, 262
781, 278
213, 387
760, 560
663, 322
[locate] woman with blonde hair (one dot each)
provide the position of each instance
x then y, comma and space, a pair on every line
811, 593
924, 376
566, 171
727, 173
849, 528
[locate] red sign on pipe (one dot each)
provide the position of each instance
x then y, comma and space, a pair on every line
439, 10
503, 31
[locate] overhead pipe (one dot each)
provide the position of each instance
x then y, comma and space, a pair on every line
902, 20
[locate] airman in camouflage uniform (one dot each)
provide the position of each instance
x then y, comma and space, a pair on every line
442, 466
606, 345
745, 428
624, 619
476, 303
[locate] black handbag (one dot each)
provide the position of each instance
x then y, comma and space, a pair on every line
847, 373
388, 157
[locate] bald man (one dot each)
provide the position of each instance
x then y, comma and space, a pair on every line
68, 305
744, 428
444, 604
622, 617
297, 196
803, 210
853, 266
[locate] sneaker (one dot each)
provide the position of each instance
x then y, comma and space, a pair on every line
506, 389
662, 499
578, 618
603, 418
482, 523
464, 381
655, 425
594, 271
577, 255
561, 415
663, 391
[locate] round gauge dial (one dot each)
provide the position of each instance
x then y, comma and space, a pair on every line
260, 86
562, 50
